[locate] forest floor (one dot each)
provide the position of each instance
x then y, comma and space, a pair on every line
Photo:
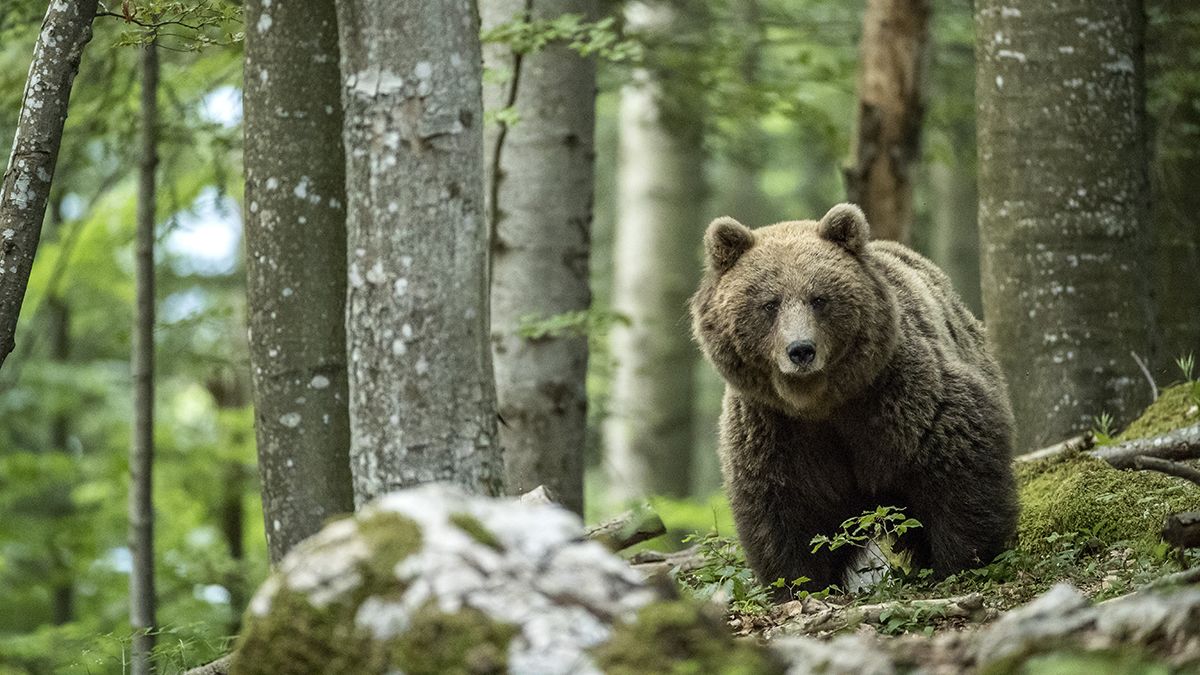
1083, 523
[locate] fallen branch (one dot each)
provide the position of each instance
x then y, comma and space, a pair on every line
1143, 463
811, 616
218, 667
1177, 445
1182, 530
654, 563
629, 528
1080, 443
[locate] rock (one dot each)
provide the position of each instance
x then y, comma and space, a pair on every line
431, 580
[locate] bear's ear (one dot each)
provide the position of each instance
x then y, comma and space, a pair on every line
725, 241
846, 225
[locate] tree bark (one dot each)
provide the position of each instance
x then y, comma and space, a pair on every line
539, 187
954, 242
660, 221
1063, 208
25, 189
141, 461
890, 109
296, 266
422, 391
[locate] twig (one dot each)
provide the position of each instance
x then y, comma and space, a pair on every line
1168, 467
1146, 372
143, 24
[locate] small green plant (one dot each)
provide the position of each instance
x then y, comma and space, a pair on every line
884, 526
725, 570
1102, 428
1187, 364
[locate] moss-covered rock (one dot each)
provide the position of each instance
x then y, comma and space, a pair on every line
1176, 407
1077, 493
431, 580
676, 638
1082, 494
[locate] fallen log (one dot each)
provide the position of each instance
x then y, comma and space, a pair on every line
1082, 442
655, 563
1177, 445
1144, 463
218, 667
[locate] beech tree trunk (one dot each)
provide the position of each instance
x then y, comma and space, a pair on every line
890, 110
660, 222
141, 461
296, 266
25, 189
539, 188
422, 391
1063, 208
954, 244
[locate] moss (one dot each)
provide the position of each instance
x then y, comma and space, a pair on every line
467, 642
1176, 407
296, 638
676, 638
1079, 493
471, 525
391, 538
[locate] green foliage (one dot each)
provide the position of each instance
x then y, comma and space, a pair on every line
884, 527
181, 26
587, 38
725, 571
1102, 428
1187, 365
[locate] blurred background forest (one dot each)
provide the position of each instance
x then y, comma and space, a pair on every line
763, 91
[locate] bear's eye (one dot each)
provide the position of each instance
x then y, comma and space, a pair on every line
771, 306
817, 302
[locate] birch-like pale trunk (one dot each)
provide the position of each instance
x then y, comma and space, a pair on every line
660, 221
890, 111
296, 266
25, 189
1063, 208
141, 461
539, 189
422, 391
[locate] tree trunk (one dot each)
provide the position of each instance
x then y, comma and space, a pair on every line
141, 461
1173, 57
25, 189
296, 266
539, 189
954, 244
660, 195
422, 391
1063, 208
62, 577
890, 108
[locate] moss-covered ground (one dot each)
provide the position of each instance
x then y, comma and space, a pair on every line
1082, 521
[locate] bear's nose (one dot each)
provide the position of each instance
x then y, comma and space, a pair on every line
802, 352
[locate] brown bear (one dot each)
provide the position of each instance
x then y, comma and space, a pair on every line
855, 378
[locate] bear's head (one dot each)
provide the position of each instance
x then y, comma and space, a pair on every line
793, 314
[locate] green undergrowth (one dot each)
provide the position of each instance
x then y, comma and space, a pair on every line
1081, 521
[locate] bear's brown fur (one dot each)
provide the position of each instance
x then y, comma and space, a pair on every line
855, 378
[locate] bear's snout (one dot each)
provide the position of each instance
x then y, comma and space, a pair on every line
802, 352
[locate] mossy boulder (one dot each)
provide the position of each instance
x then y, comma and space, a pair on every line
1080, 494
431, 580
